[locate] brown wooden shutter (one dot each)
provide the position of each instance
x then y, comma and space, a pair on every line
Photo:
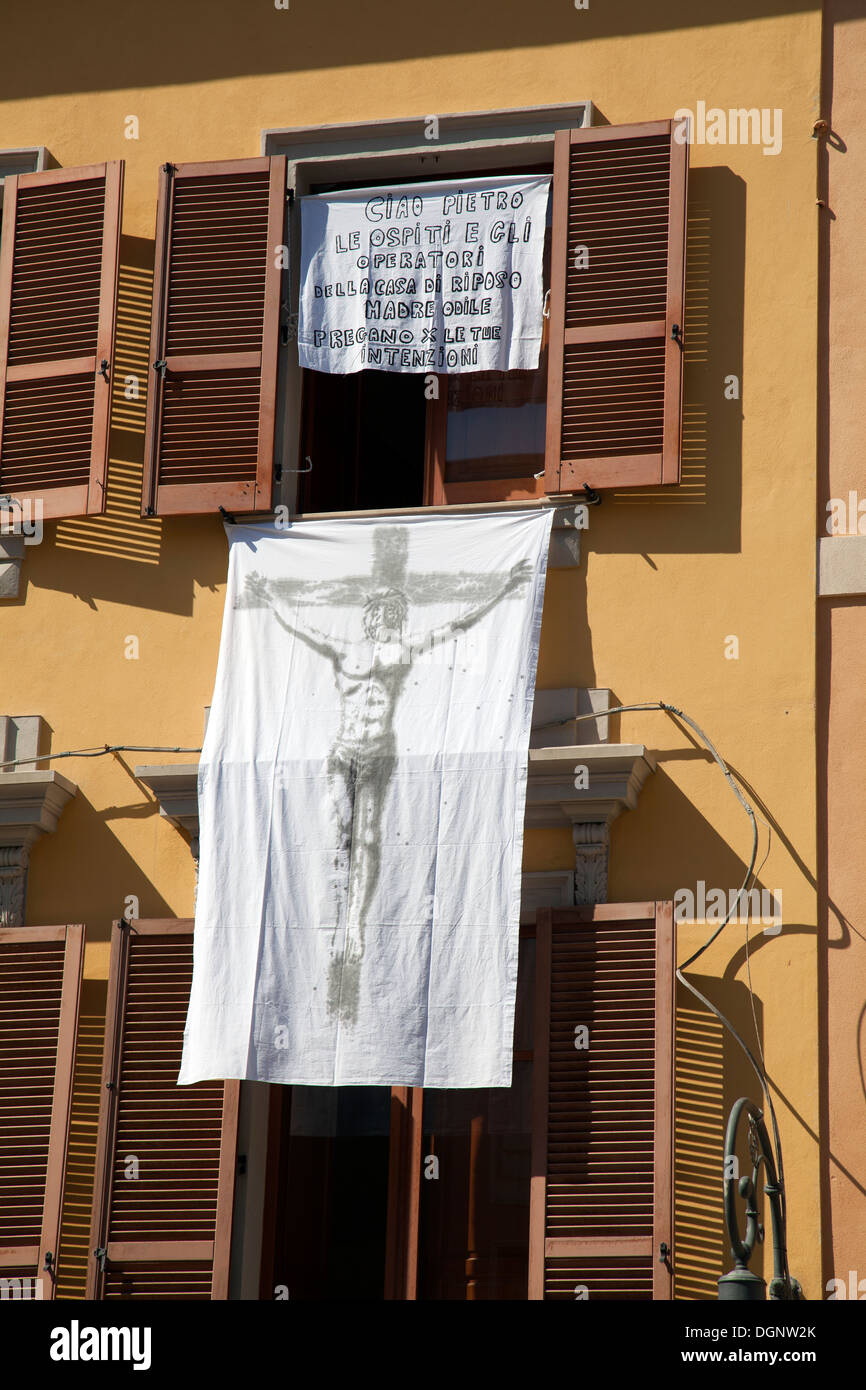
602, 1151
167, 1232
40, 982
216, 303
59, 257
615, 366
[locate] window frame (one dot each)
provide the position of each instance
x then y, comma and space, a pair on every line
381, 151
27, 160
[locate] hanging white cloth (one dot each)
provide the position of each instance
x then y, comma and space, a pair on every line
361, 801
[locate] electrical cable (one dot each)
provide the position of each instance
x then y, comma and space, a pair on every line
748, 954
96, 753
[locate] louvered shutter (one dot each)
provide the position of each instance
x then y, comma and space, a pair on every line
212, 399
59, 257
614, 399
165, 1165
602, 1148
40, 982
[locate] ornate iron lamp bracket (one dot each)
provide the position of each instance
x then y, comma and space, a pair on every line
741, 1283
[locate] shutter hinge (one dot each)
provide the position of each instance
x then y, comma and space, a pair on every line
160, 366
49, 1265
100, 1253
590, 496
169, 169
111, 1085
665, 1253
103, 368
677, 335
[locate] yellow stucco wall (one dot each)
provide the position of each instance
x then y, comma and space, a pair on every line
664, 581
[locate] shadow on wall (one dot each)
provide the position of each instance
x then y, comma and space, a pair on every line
60, 892
565, 656
81, 1163
712, 447
662, 846
54, 49
121, 556
666, 843
712, 1072
121, 533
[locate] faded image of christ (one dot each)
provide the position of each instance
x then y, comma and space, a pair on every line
370, 667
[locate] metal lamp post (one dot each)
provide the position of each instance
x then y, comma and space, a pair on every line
741, 1284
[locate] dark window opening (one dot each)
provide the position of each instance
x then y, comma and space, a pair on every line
373, 438
364, 435
473, 1241
331, 1230
338, 1167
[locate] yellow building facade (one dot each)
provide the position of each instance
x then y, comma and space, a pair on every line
700, 595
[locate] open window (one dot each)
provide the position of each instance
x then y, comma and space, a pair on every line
375, 440
557, 1187
603, 406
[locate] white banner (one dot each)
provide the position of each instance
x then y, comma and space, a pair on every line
361, 801
425, 277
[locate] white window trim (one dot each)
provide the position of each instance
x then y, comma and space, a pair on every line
30, 160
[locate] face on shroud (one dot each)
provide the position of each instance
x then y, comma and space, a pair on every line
384, 617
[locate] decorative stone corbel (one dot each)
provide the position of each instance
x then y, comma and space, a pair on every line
13, 883
591, 847
586, 786
31, 802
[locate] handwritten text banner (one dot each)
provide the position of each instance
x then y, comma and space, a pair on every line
427, 277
